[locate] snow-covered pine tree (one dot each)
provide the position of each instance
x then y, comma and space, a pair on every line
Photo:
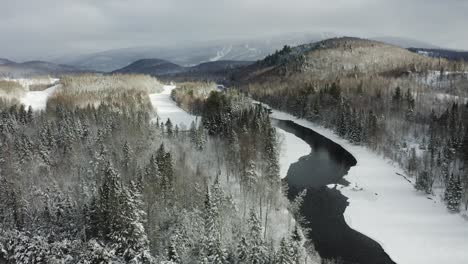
342, 127
172, 251
397, 96
126, 157
409, 99
465, 146
29, 115
213, 249
109, 198
169, 128
160, 158
285, 254
412, 161
258, 252
152, 171
355, 128
200, 137
271, 158
424, 182
296, 245
193, 133
453, 193
168, 174
243, 248
133, 237
251, 176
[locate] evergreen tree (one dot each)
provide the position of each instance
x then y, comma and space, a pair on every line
285, 254
152, 170
355, 128
465, 146
133, 238
29, 115
258, 252
342, 127
126, 157
110, 195
335, 91
424, 182
193, 133
200, 137
168, 173
409, 99
271, 158
453, 193
169, 130
214, 251
243, 250
397, 95
251, 176
172, 252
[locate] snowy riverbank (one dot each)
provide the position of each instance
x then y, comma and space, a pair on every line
291, 149
384, 206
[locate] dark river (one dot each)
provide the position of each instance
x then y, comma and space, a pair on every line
323, 208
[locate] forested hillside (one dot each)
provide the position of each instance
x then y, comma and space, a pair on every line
339, 58
405, 106
95, 181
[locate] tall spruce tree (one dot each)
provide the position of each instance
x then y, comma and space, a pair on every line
453, 193
285, 254
258, 252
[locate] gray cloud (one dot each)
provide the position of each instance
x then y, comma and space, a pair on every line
37, 29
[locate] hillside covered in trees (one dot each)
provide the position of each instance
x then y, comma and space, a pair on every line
100, 183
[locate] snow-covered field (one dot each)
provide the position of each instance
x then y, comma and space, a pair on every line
36, 99
167, 108
412, 227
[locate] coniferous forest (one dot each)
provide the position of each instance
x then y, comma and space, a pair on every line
113, 184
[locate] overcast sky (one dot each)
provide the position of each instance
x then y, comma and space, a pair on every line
41, 28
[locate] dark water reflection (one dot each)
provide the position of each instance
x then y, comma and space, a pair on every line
323, 208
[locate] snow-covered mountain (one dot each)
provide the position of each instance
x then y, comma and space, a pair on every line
405, 42
158, 67
5, 61
194, 53
33, 68
442, 53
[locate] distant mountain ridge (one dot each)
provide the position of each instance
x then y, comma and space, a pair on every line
5, 61
13, 69
192, 53
159, 67
405, 42
442, 53
151, 67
